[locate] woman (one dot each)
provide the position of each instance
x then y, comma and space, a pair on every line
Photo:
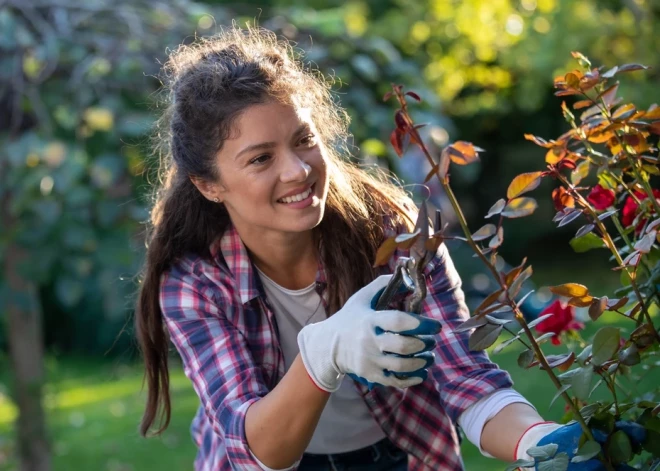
259, 270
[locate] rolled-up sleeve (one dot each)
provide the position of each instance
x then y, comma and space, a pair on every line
216, 359
462, 377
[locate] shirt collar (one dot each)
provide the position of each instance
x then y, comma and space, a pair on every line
231, 248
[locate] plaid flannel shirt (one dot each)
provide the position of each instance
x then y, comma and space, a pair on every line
221, 324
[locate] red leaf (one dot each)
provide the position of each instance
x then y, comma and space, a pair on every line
655, 127
581, 104
401, 121
414, 95
609, 95
396, 141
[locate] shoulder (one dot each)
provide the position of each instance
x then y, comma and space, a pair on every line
191, 279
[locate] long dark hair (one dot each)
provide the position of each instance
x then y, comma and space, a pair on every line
206, 86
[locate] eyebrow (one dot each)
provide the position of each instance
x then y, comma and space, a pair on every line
268, 145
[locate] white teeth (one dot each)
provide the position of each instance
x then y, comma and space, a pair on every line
298, 197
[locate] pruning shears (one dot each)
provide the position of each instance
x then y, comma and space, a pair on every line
408, 276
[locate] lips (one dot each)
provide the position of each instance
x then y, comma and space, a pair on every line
297, 195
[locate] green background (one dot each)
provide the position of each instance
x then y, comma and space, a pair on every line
79, 93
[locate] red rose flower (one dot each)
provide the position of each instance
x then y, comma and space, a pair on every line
630, 208
601, 198
562, 320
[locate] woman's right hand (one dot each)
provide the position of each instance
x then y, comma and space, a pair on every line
378, 347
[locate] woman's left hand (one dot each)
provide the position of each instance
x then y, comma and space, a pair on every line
567, 439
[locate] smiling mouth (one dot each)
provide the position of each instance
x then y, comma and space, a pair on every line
299, 197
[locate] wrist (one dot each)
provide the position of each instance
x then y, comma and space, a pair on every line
531, 437
318, 359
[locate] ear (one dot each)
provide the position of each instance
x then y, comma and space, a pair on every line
211, 190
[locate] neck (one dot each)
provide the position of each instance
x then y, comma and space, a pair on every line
290, 260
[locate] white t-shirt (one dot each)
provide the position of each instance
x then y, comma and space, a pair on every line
346, 423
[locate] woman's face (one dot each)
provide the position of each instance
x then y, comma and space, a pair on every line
273, 171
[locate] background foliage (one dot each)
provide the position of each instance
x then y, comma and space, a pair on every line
77, 88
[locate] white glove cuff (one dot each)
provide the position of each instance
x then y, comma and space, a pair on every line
531, 437
318, 359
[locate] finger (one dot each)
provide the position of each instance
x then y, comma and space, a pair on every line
405, 365
427, 326
404, 344
402, 381
365, 295
405, 323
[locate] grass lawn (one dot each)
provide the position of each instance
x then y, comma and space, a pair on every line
94, 409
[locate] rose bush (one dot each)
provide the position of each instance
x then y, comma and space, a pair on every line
614, 143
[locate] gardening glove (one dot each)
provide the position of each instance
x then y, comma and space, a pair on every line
375, 347
567, 438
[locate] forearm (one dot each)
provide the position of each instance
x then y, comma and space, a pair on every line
280, 425
515, 419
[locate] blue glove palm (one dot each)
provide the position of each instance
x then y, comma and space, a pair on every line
567, 438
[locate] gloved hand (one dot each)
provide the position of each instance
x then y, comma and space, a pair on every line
377, 347
567, 438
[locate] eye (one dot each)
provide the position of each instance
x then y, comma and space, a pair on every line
260, 160
309, 140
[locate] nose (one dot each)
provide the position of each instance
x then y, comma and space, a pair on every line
295, 170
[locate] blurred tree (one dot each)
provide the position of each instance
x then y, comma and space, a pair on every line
75, 80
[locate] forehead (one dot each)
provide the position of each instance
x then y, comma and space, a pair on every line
269, 121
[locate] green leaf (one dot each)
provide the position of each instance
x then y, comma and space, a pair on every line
580, 172
584, 354
471, 323
619, 448
605, 345
586, 242
545, 337
581, 382
607, 181
484, 336
519, 464
563, 389
543, 452
485, 232
590, 409
603, 420
630, 356
525, 358
496, 208
504, 344
565, 378
537, 321
586, 452
652, 442
520, 207
558, 463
